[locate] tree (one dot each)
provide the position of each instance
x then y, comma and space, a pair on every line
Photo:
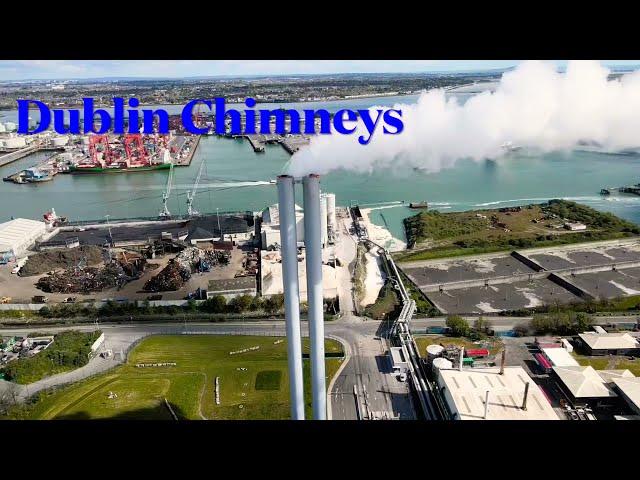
274, 303
582, 322
458, 326
480, 325
215, 304
240, 303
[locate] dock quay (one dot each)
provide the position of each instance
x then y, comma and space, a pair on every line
194, 142
11, 157
291, 143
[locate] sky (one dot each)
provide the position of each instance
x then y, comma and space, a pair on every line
68, 69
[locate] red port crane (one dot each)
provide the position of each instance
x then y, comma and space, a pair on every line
134, 147
99, 156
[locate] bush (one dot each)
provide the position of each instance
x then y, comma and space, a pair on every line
458, 326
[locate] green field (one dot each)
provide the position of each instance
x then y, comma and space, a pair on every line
432, 234
253, 385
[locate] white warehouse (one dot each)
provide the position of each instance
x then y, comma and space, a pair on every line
16, 236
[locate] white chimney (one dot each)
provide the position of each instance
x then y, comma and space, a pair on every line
313, 239
289, 251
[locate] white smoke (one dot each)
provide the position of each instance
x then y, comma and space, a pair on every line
533, 106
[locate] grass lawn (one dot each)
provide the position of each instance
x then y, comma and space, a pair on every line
494, 345
609, 363
432, 234
253, 385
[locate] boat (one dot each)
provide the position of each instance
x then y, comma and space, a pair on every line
605, 191
79, 169
417, 205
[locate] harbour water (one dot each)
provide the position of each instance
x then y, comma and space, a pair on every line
236, 178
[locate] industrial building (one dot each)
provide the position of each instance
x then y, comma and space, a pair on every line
559, 357
629, 390
399, 363
272, 279
16, 236
270, 229
232, 287
585, 385
493, 394
595, 343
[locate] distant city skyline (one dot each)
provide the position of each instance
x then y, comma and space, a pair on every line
86, 69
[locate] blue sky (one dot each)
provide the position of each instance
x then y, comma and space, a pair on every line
62, 69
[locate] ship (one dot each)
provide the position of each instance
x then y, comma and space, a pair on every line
79, 169
417, 205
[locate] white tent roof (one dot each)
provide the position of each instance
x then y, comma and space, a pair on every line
559, 357
18, 231
584, 382
630, 386
608, 341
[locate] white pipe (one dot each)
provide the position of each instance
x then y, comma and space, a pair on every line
288, 240
313, 244
486, 405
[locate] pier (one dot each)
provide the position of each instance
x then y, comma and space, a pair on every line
18, 154
291, 143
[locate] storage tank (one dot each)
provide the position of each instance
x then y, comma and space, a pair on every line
85, 140
323, 219
434, 351
441, 363
2, 128
10, 126
60, 141
15, 142
331, 212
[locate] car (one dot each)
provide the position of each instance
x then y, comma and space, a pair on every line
402, 377
69, 300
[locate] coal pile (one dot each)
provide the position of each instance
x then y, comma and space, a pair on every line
47, 261
84, 280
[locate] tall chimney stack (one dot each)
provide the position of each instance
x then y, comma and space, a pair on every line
313, 243
289, 251
526, 394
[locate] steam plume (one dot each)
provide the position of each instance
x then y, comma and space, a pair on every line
532, 106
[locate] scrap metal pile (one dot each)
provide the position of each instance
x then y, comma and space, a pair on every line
49, 260
179, 269
116, 271
84, 279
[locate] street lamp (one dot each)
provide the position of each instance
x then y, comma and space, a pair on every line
219, 229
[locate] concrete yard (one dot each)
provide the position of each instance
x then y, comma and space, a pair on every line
560, 258
492, 283
609, 284
446, 271
499, 297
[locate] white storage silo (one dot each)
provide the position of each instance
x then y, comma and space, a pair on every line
60, 141
2, 128
331, 213
441, 363
323, 219
434, 351
10, 126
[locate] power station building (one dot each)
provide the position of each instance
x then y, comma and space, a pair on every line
493, 394
270, 229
